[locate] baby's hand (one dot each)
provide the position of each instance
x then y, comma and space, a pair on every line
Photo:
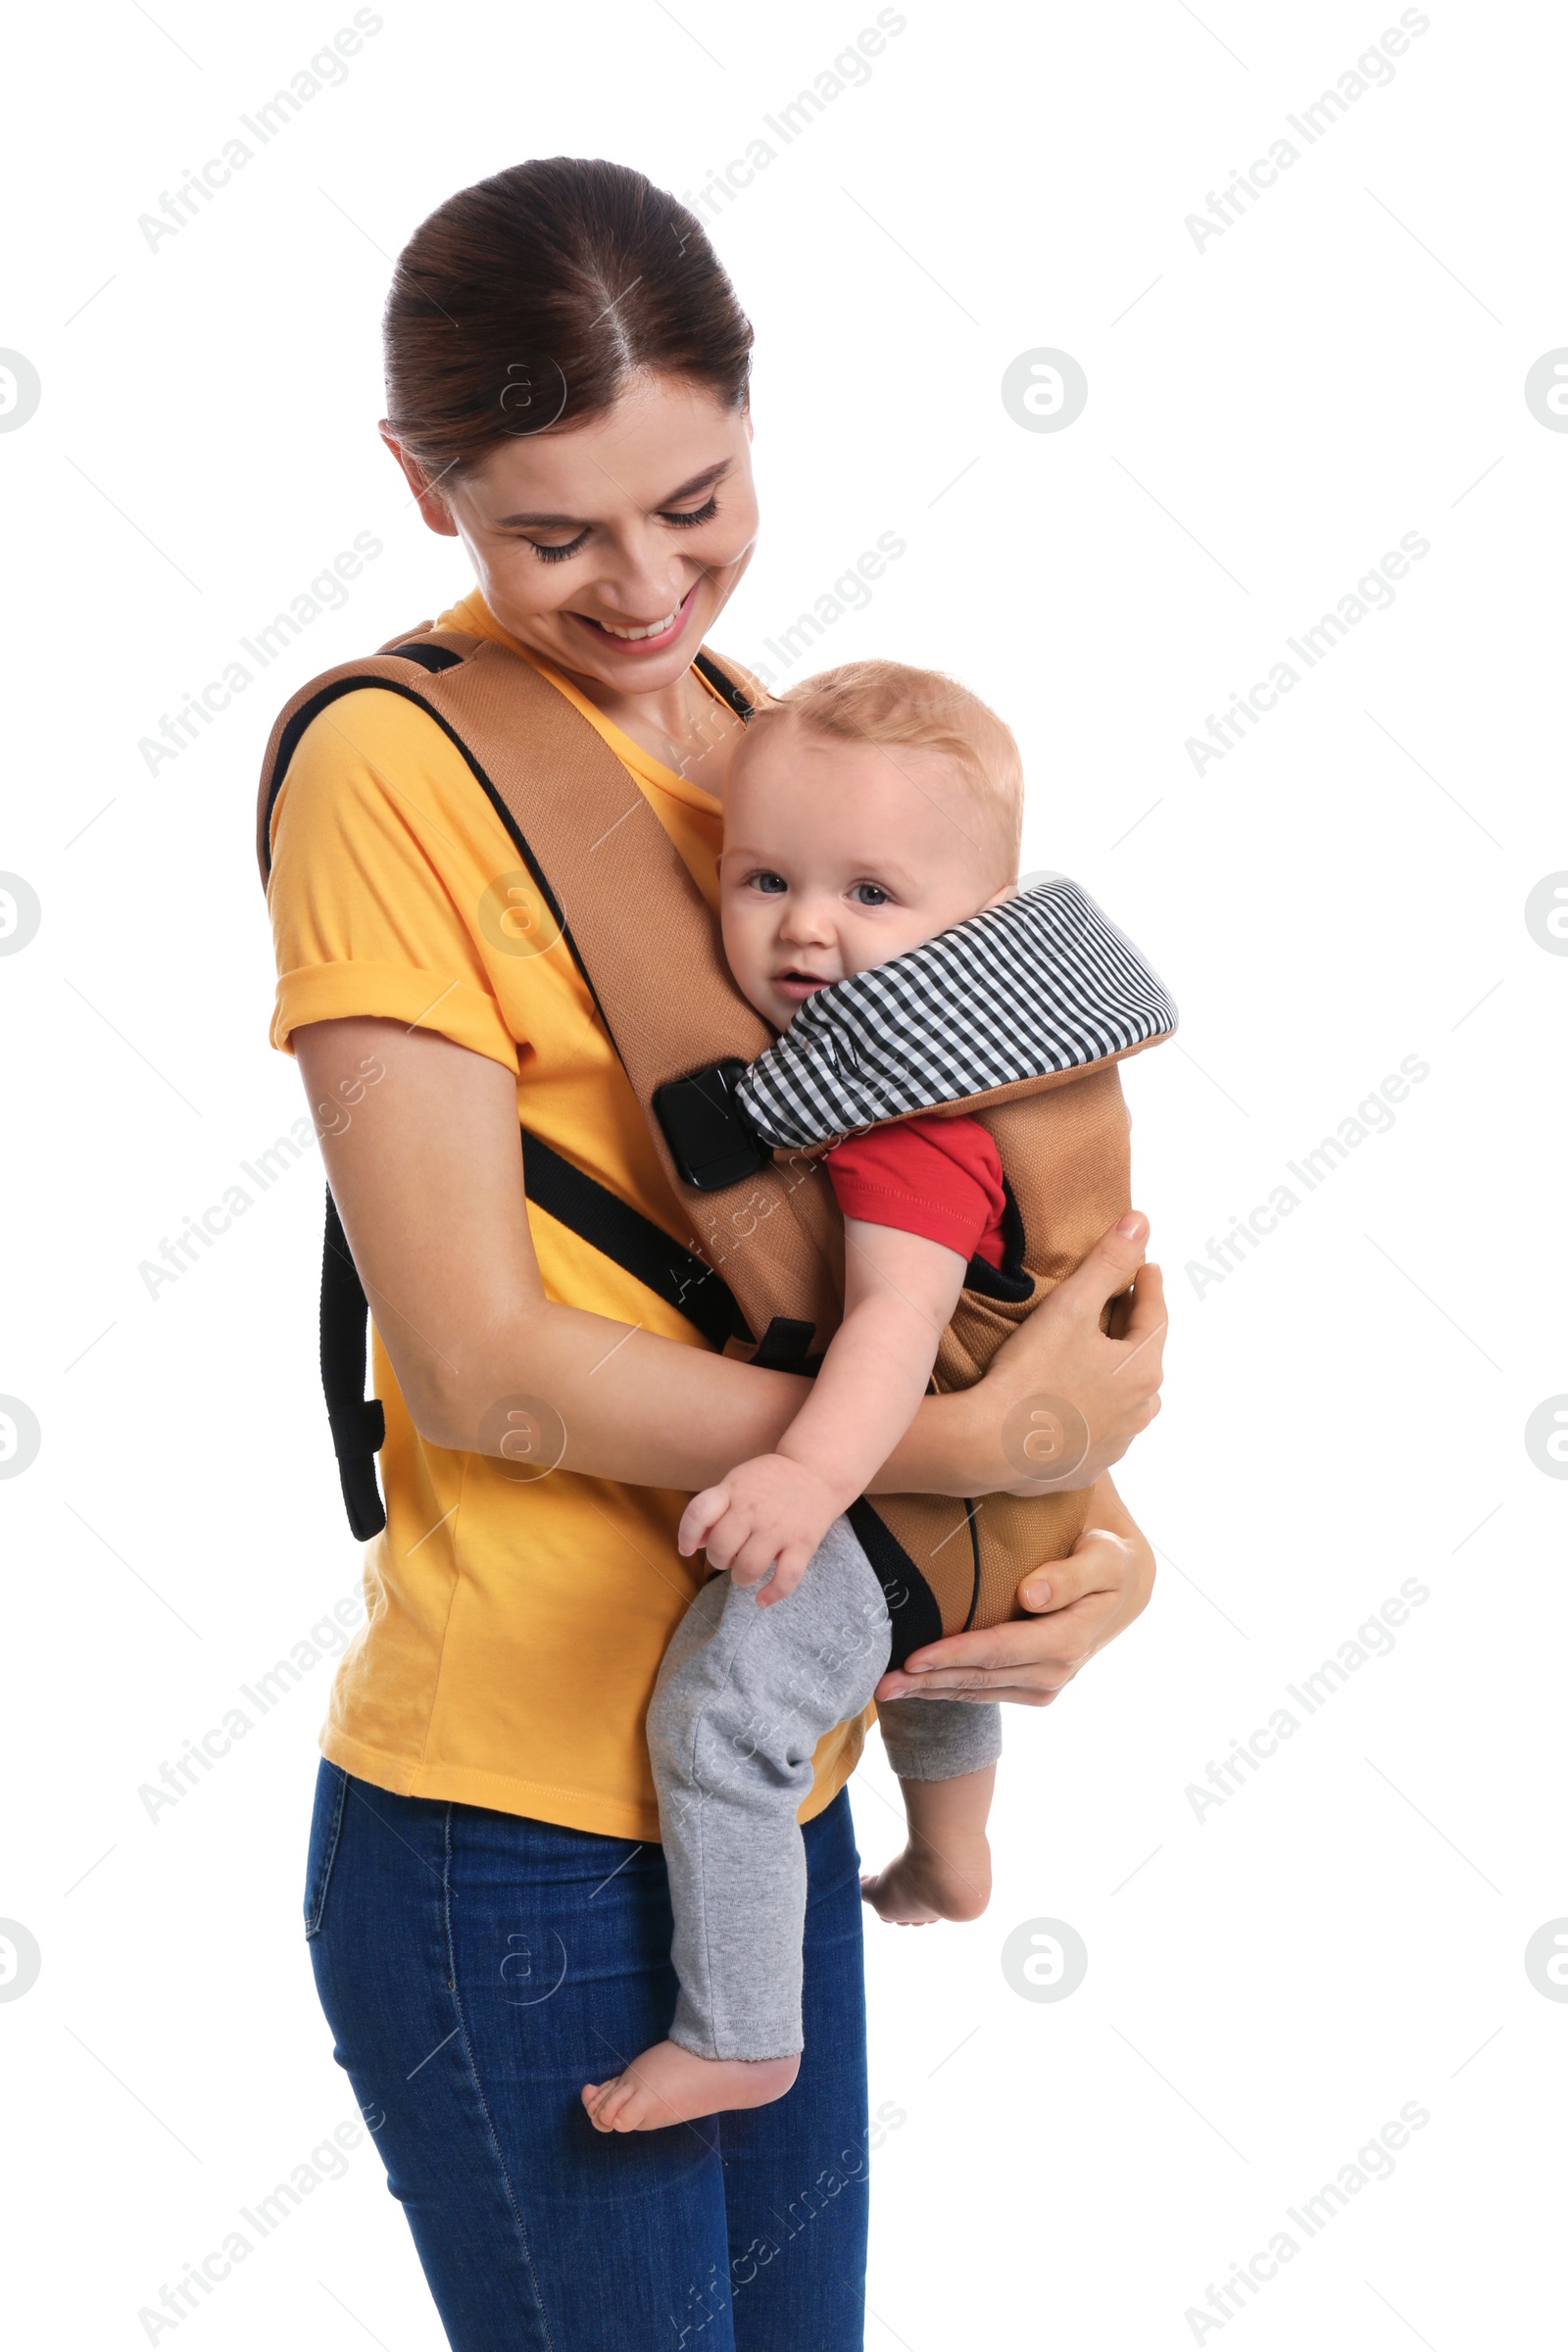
770, 1512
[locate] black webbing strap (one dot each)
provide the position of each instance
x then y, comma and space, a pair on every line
634, 1242
574, 1200
431, 657
357, 1422
723, 686
912, 1605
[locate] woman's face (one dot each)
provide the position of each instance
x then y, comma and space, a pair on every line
609, 548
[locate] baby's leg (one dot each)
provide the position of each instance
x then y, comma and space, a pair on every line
742, 1699
945, 1753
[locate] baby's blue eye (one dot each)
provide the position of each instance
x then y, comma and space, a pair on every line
870, 894
772, 884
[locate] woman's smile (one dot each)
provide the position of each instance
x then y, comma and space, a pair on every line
646, 637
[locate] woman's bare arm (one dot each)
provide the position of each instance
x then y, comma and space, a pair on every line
426, 1171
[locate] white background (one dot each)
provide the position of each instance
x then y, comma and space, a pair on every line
1267, 415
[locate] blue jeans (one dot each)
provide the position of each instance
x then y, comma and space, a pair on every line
476, 1968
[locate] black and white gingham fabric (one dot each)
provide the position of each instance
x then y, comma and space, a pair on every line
1040, 984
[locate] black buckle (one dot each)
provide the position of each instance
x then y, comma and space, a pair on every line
358, 1428
710, 1139
785, 1346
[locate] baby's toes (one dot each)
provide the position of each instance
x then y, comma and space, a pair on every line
601, 2100
621, 2106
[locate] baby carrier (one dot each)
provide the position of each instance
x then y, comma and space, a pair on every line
1017, 1016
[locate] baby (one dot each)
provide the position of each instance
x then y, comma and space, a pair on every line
871, 809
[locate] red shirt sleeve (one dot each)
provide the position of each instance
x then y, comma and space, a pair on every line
941, 1178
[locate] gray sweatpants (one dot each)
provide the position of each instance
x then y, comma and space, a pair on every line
742, 1699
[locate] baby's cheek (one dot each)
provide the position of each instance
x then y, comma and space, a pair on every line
747, 939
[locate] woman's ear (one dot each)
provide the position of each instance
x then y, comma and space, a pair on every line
432, 506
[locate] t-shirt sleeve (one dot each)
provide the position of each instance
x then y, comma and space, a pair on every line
374, 859
941, 1178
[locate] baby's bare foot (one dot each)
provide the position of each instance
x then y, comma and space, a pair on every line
922, 1885
667, 2084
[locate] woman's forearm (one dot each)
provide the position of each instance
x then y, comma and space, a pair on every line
627, 1404
428, 1179
631, 1405
941, 1452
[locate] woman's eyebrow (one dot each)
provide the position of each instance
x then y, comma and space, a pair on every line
699, 481
577, 523
564, 522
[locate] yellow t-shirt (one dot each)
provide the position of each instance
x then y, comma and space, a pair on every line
513, 1630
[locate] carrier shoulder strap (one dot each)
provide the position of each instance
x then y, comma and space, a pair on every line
599, 878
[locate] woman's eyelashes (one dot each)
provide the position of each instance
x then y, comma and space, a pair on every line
703, 513
682, 520
557, 555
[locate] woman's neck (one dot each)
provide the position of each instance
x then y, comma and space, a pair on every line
666, 711
681, 724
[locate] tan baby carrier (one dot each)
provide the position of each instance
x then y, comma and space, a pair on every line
1018, 1016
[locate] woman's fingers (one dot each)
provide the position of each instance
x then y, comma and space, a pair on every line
1143, 1334
1146, 1316
1109, 1268
1062, 1353
1028, 1663
1100, 1562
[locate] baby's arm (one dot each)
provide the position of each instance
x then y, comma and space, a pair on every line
899, 1290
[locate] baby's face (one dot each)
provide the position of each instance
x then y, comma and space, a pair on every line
838, 856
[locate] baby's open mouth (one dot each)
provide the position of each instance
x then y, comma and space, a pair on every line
794, 983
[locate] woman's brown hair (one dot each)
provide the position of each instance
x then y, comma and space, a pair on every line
528, 301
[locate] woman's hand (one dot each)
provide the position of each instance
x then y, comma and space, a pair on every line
1078, 1604
1059, 1392
1060, 1356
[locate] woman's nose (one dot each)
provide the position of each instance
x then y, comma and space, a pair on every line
644, 578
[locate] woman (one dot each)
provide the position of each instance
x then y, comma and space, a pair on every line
487, 1908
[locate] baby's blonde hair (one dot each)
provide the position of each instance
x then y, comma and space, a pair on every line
924, 710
